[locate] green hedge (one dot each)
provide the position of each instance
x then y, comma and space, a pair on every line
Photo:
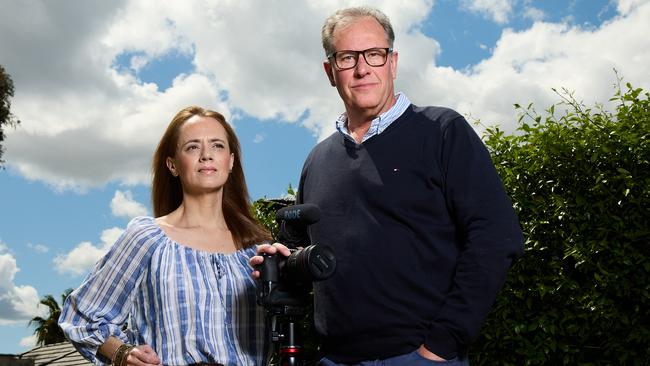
581, 186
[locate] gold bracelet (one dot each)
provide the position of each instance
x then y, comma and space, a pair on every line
125, 355
114, 354
118, 356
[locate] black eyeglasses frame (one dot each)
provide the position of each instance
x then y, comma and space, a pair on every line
332, 57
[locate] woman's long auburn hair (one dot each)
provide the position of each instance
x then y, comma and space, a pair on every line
167, 191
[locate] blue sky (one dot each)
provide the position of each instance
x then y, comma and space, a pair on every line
96, 83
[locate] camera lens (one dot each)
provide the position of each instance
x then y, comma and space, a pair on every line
313, 263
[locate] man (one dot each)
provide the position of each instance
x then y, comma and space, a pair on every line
411, 204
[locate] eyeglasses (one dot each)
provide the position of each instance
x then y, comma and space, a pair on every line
348, 59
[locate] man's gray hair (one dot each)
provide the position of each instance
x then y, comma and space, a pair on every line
347, 16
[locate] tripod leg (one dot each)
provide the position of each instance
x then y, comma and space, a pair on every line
290, 350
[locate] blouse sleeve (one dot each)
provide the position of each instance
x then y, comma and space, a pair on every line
99, 308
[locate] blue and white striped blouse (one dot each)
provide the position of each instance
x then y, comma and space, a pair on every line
189, 305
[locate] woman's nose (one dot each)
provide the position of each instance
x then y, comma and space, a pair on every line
205, 155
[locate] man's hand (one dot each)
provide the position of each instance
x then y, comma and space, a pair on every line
268, 249
424, 352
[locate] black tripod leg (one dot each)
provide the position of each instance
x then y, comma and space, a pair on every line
290, 351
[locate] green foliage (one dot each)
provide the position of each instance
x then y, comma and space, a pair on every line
581, 187
47, 329
264, 210
264, 213
6, 118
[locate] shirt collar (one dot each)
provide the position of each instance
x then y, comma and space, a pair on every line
381, 122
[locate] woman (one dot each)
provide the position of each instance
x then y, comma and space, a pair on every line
181, 280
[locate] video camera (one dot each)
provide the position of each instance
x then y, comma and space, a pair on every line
286, 282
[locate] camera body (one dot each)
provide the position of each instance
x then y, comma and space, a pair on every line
287, 281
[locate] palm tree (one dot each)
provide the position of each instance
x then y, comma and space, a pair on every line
47, 329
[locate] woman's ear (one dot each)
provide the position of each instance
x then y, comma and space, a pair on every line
171, 166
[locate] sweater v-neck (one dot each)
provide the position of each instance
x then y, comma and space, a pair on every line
350, 142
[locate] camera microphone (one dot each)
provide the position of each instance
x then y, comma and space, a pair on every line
293, 221
304, 214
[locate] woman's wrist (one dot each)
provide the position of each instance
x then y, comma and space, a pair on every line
121, 354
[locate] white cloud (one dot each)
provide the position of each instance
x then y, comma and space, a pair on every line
17, 303
626, 6
38, 248
123, 205
83, 257
138, 62
259, 138
534, 14
525, 66
83, 123
28, 342
117, 143
496, 10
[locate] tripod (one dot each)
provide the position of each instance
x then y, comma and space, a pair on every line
285, 335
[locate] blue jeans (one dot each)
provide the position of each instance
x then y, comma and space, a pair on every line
409, 359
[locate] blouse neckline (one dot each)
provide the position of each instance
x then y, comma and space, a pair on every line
194, 250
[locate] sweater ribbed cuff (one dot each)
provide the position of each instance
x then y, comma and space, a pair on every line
441, 342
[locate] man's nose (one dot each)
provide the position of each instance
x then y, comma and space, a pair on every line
362, 67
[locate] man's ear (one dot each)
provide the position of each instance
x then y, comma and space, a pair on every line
393, 64
330, 73
171, 166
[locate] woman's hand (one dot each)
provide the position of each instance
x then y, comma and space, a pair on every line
142, 356
266, 249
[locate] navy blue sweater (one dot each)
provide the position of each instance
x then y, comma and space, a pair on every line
423, 232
